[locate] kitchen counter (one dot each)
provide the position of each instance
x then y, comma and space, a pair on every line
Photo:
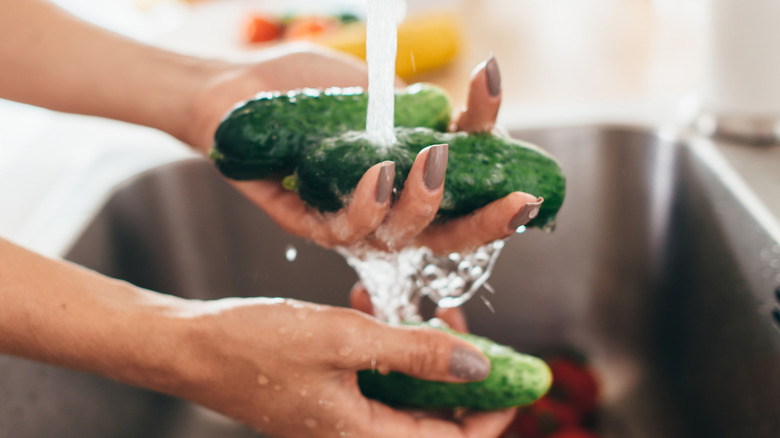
563, 63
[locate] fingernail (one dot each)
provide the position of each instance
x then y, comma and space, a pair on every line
435, 166
467, 364
384, 185
528, 212
493, 76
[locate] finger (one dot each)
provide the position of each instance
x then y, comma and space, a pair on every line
387, 422
360, 300
420, 198
484, 99
497, 220
367, 209
454, 318
422, 352
487, 424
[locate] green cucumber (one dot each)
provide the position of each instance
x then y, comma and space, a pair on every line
265, 136
312, 140
481, 168
515, 379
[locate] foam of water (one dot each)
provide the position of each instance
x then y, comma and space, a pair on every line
396, 281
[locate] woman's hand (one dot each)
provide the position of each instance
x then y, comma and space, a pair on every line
369, 217
288, 368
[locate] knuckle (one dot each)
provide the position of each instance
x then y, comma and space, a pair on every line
425, 354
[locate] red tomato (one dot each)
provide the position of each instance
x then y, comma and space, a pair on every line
307, 28
545, 417
573, 384
573, 433
260, 29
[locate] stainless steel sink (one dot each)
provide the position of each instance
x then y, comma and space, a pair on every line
656, 271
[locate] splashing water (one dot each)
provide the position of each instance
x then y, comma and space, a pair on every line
396, 281
381, 47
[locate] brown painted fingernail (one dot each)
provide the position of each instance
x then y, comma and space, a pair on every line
467, 364
435, 166
493, 76
384, 185
528, 212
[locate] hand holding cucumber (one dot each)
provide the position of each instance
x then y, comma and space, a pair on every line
371, 214
289, 369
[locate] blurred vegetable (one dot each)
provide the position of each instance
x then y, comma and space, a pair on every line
309, 28
574, 384
261, 29
425, 42
574, 433
568, 409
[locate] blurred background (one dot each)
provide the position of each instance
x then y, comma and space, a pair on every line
562, 62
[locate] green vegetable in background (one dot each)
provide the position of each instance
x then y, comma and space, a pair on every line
515, 379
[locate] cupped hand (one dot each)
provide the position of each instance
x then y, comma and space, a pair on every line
288, 369
374, 215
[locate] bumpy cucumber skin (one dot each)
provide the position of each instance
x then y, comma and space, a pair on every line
481, 168
515, 379
265, 136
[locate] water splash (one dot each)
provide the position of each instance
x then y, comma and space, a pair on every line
396, 281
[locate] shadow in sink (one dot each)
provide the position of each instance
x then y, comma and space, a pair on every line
656, 271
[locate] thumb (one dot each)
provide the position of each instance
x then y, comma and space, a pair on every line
424, 352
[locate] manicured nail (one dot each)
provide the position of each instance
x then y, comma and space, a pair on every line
435, 166
528, 212
467, 364
384, 185
493, 76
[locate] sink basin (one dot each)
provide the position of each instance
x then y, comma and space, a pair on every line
656, 271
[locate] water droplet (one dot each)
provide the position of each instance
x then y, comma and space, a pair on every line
304, 392
345, 351
325, 404
281, 330
262, 380
266, 418
290, 253
488, 304
383, 369
340, 424
302, 314
277, 387
521, 229
311, 423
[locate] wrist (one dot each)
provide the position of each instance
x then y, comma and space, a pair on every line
223, 87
